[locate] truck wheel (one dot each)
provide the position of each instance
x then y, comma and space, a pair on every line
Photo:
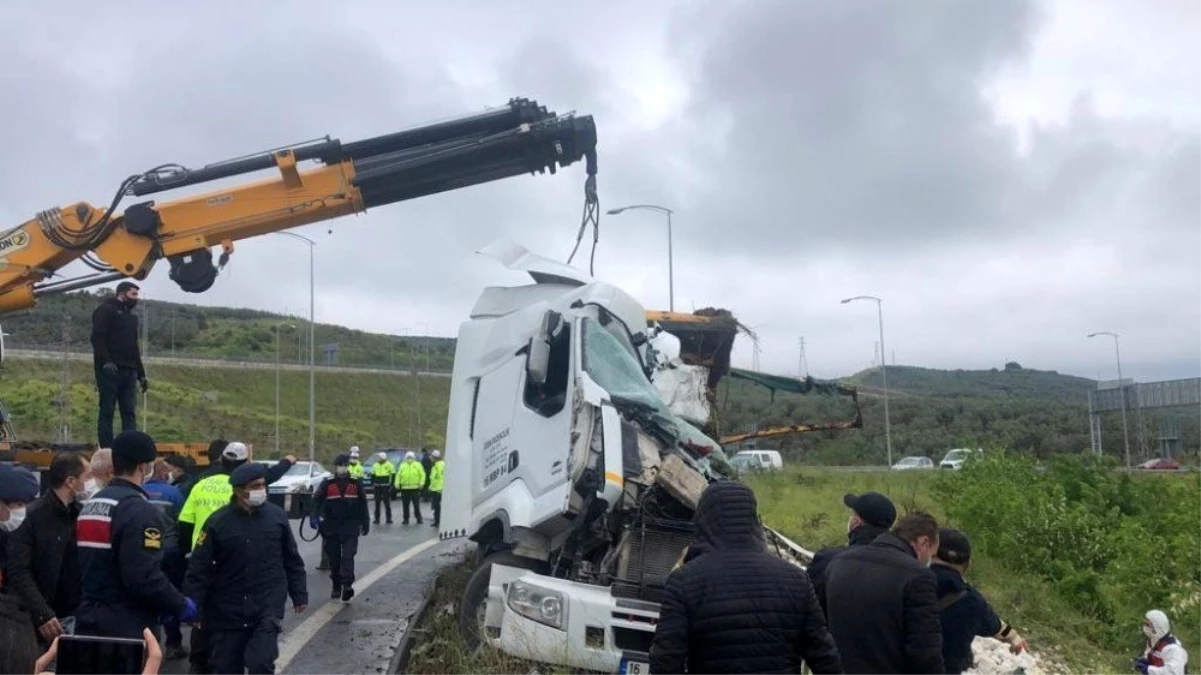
475, 598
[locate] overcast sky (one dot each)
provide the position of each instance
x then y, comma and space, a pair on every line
1007, 176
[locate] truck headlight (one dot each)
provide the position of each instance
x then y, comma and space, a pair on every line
541, 605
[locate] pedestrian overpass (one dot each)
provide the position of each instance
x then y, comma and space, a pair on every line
1108, 397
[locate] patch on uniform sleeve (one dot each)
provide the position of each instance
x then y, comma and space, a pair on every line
200, 540
152, 538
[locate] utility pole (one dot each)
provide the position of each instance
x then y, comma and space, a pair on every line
1121, 390
146, 352
883, 369
802, 363
64, 390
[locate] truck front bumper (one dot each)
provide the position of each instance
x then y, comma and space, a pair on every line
598, 631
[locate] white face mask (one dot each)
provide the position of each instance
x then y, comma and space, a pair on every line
16, 516
342, 471
91, 486
257, 497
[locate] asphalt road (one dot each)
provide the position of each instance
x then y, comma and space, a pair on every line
394, 568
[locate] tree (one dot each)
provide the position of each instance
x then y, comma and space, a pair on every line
1012, 366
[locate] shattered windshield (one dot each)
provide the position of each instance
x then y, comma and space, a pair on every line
608, 361
611, 365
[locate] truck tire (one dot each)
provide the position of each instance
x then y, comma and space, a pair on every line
475, 596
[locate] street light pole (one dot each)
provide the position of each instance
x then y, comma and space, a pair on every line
671, 283
312, 348
1121, 390
883, 369
277, 327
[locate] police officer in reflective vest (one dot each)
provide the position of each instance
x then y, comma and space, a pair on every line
340, 515
381, 485
436, 481
120, 539
355, 469
410, 479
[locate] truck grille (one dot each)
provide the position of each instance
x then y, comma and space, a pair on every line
654, 551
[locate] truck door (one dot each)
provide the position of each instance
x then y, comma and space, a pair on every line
521, 432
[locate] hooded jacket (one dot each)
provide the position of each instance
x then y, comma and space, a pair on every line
734, 608
1165, 655
860, 536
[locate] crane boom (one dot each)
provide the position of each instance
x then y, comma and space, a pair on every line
521, 137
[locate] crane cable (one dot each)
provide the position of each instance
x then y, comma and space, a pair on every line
591, 216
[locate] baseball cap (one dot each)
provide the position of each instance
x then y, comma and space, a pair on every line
342, 460
435, 454
954, 546
383, 455
410, 455
236, 451
873, 507
354, 451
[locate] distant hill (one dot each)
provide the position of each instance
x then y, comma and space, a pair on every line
1012, 382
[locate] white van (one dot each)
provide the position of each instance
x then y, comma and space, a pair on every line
769, 460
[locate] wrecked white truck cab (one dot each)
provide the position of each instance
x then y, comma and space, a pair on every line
567, 469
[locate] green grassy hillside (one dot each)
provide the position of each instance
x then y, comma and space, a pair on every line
193, 330
198, 404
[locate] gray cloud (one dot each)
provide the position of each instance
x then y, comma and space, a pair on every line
812, 151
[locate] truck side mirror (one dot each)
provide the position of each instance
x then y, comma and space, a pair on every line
538, 365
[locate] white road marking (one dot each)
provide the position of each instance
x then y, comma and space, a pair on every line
300, 636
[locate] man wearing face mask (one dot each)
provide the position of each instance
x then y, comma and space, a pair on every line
244, 567
340, 515
881, 601
120, 539
43, 563
871, 515
163, 494
117, 360
18, 641
1164, 655
18, 488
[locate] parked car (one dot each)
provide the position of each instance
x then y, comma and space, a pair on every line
913, 462
762, 459
293, 491
955, 458
1160, 464
304, 476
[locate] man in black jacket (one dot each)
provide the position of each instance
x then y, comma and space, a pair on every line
871, 515
117, 360
734, 608
119, 537
243, 569
963, 612
43, 562
881, 603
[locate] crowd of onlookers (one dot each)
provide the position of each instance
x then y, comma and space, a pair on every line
893, 600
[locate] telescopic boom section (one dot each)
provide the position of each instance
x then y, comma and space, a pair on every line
521, 137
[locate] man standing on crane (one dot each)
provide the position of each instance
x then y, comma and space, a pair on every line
117, 360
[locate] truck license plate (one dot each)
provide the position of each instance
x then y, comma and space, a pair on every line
629, 667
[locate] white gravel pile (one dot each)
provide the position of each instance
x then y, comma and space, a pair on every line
993, 657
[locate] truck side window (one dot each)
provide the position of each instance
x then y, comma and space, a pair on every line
548, 399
